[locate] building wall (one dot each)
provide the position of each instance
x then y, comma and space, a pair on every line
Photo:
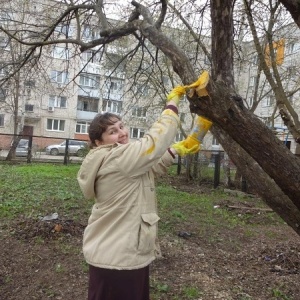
112, 90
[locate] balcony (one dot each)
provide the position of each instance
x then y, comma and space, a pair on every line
85, 91
90, 68
115, 74
30, 116
112, 96
85, 115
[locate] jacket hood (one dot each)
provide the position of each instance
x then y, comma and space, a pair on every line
88, 171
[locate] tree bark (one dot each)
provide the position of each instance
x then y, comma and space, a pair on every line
260, 182
293, 6
249, 139
253, 136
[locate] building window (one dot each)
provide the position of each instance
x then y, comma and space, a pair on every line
90, 56
267, 101
29, 83
254, 60
57, 101
292, 47
89, 80
82, 127
250, 101
136, 133
1, 120
182, 117
179, 137
85, 104
3, 94
87, 55
59, 77
112, 86
252, 81
29, 107
215, 142
139, 112
64, 29
112, 106
3, 69
5, 18
4, 43
55, 125
60, 52
291, 71
90, 33
115, 63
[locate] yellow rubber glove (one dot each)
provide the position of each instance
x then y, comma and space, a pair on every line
176, 94
183, 149
191, 144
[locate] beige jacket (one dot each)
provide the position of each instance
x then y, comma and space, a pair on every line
122, 228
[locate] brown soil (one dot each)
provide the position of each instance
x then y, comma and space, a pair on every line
43, 260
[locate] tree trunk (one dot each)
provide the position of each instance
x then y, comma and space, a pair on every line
293, 7
12, 151
249, 140
227, 171
260, 182
259, 142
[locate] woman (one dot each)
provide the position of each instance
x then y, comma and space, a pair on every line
120, 240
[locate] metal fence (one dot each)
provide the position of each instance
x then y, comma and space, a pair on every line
34, 149
211, 167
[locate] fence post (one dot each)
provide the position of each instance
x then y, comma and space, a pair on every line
66, 152
178, 165
29, 151
244, 184
217, 169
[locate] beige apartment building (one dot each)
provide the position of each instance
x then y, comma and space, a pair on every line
257, 92
59, 99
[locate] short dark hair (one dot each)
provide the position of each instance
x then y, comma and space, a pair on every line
100, 124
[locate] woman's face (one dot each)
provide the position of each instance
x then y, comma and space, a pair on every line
116, 133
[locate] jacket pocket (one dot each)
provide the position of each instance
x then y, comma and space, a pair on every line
148, 232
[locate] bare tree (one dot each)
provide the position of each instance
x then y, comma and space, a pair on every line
271, 71
267, 164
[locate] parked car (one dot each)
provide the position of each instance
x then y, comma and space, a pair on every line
22, 148
75, 147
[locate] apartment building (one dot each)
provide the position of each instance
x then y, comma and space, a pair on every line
60, 96
256, 90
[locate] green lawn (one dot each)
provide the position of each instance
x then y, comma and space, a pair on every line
31, 191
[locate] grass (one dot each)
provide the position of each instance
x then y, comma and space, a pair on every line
203, 173
36, 190
39, 189
278, 294
177, 207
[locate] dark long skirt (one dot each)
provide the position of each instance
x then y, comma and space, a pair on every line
106, 284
